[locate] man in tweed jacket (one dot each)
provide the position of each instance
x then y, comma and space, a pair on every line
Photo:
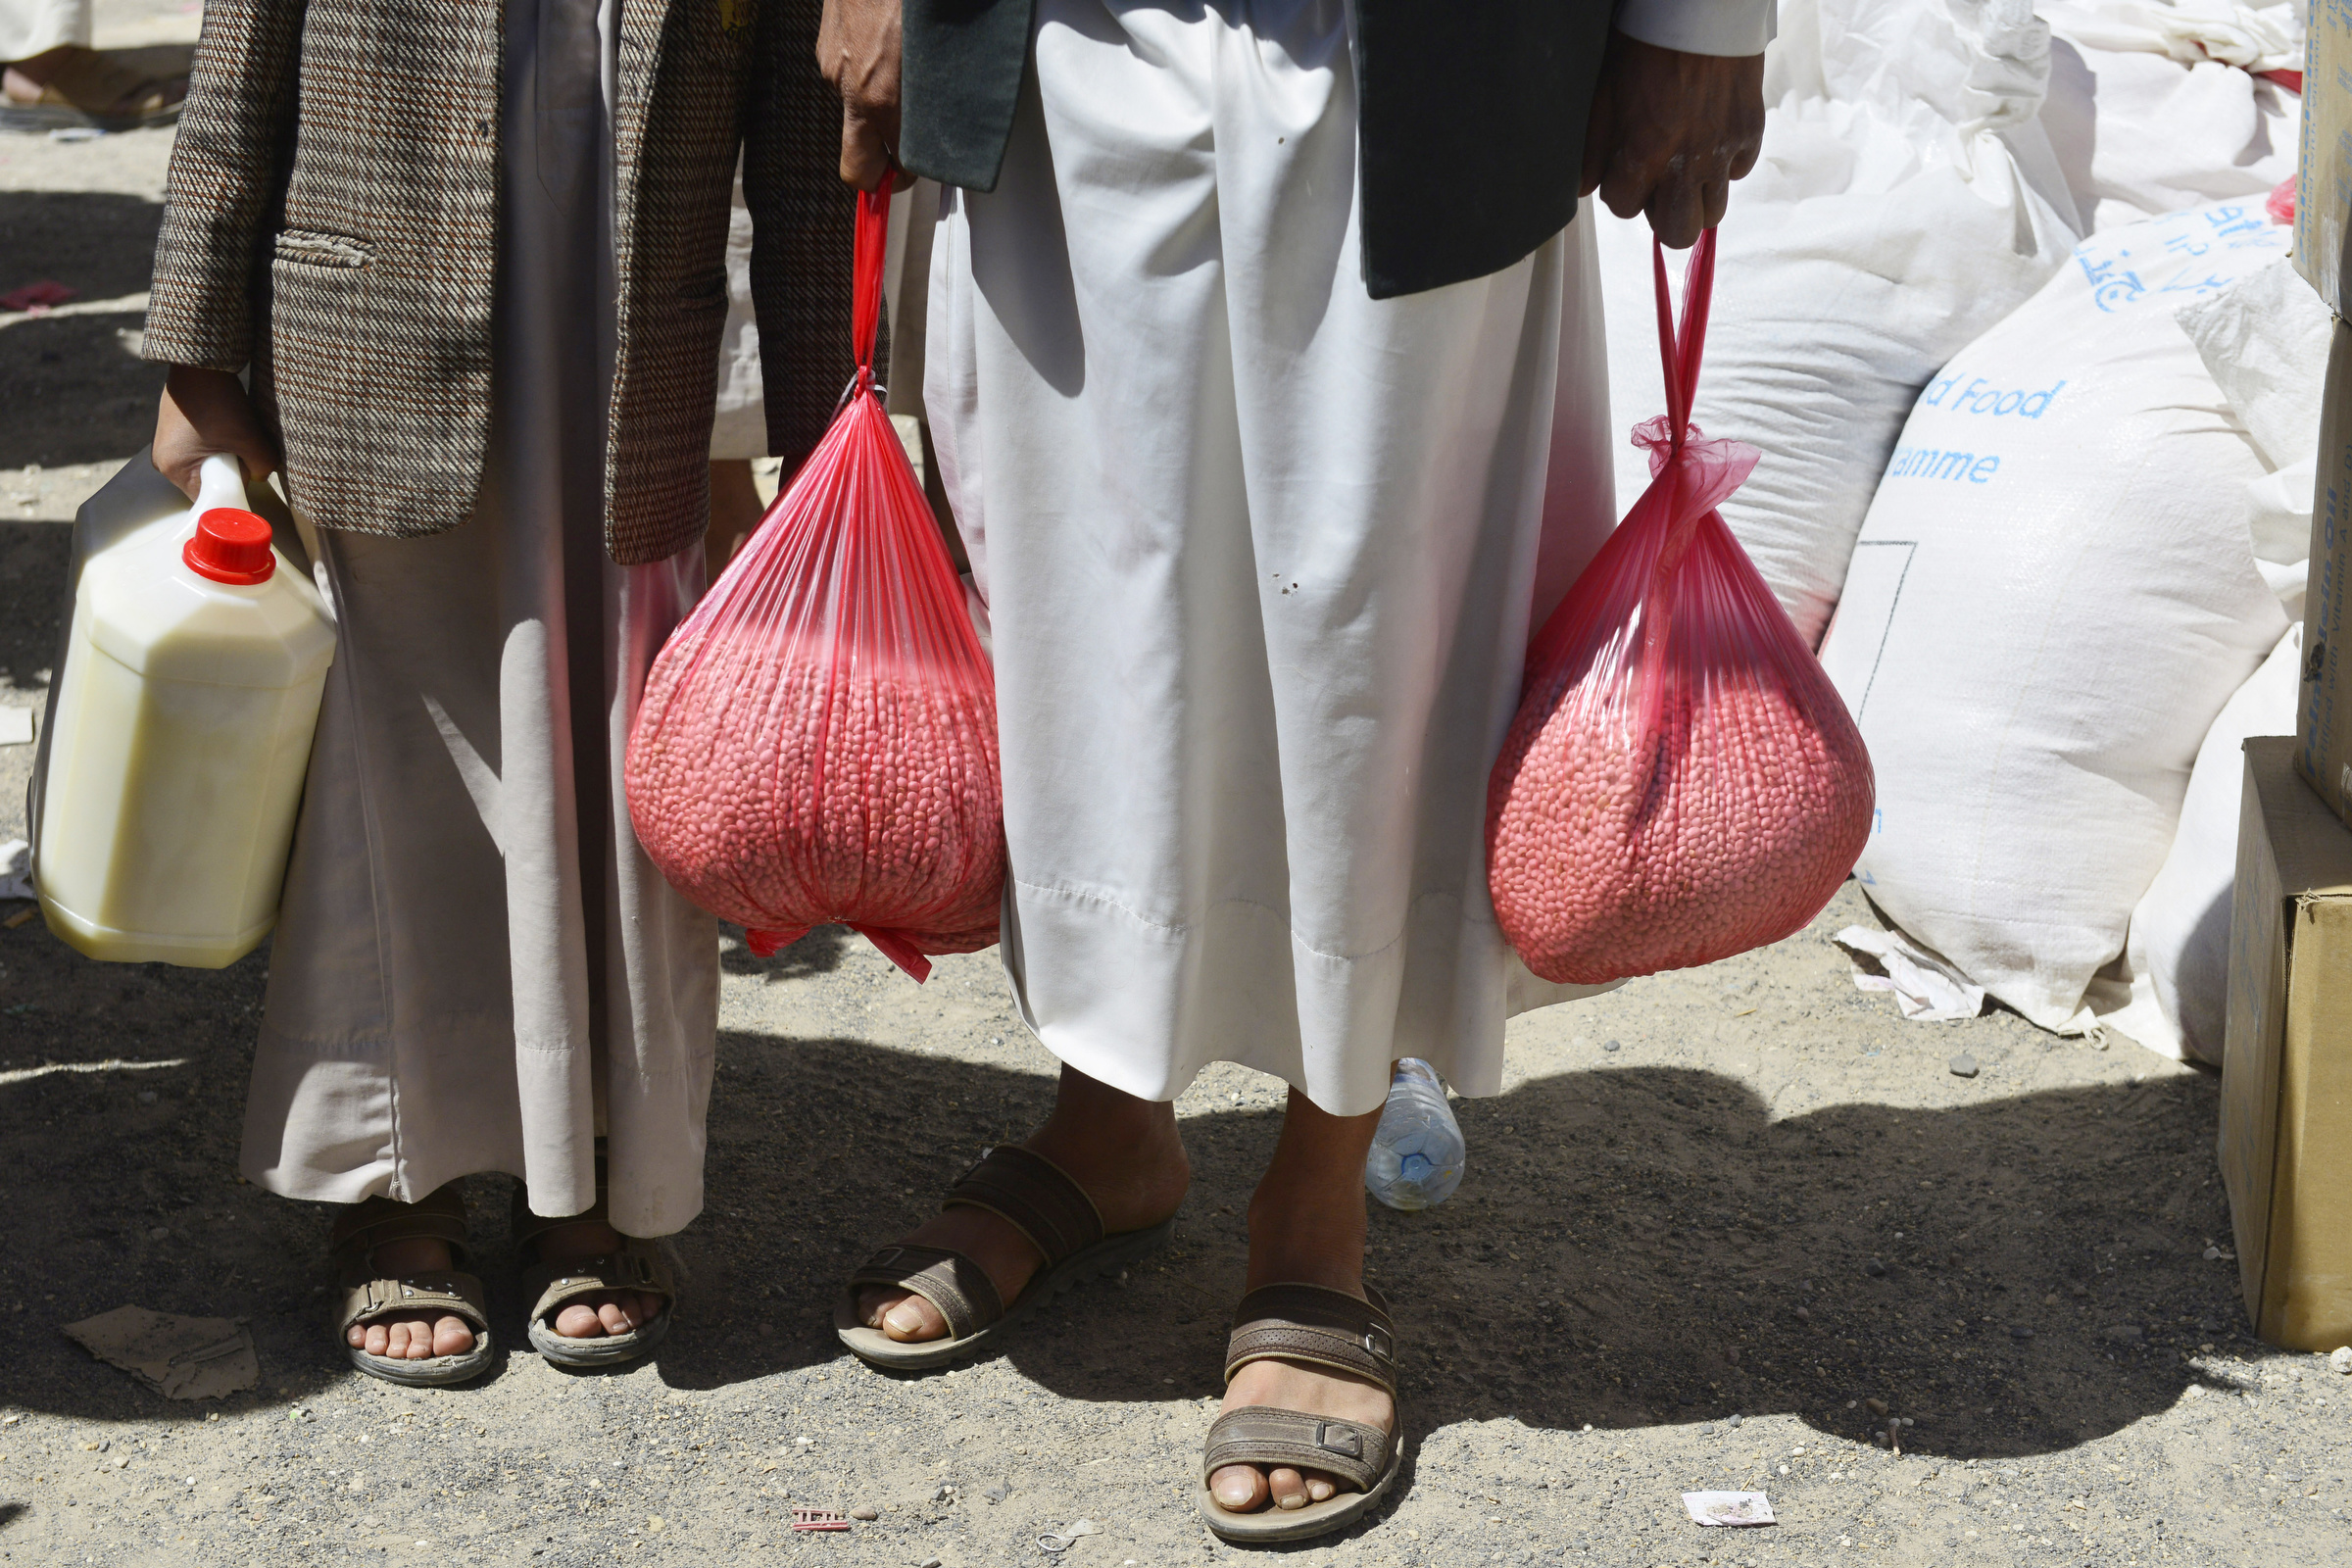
472, 255
332, 225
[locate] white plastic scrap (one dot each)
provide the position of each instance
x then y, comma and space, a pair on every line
1053, 1541
1728, 1510
1925, 985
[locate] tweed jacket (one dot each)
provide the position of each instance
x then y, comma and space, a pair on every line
1470, 120
331, 221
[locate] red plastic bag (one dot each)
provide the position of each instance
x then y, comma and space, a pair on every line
1681, 782
817, 741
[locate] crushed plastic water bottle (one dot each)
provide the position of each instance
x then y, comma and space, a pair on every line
1416, 1156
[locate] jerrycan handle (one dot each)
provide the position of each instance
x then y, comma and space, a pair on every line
221, 482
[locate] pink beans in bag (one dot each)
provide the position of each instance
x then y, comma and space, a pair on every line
817, 741
1681, 782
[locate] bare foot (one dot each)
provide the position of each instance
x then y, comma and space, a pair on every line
1124, 1152
412, 1336
608, 1312
1306, 1226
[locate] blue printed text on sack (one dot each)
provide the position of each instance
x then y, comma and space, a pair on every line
1929, 462
1980, 396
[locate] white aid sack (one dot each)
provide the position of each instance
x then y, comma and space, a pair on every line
2263, 340
2179, 947
1888, 223
2054, 593
2156, 107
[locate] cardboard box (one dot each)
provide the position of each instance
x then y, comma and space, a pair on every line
2324, 705
2287, 1079
2324, 161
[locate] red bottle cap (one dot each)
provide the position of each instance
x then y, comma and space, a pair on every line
231, 546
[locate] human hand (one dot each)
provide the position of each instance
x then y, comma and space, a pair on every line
1669, 134
858, 50
206, 413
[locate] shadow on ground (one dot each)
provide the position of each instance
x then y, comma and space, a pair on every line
1633, 1247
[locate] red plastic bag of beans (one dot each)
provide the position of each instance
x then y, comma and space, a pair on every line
818, 740
1681, 782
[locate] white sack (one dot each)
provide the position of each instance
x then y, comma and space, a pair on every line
739, 422
2154, 107
2054, 593
2263, 340
1888, 223
2180, 945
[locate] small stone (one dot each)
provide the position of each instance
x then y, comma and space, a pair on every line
2019, 1330
2078, 1290
929, 1562
1964, 1065
160, 1233
1735, 1422
998, 1493
146, 1097
1608, 1044
1803, 1316
1875, 1406
1874, 1269
2127, 1334
865, 1511
2339, 1360
1878, 1437
2212, 1255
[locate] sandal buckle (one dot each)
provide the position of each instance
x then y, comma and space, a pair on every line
1353, 1447
1379, 1343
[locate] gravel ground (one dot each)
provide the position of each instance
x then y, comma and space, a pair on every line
1719, 1228
1771, 1201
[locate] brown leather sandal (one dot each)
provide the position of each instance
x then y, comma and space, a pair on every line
637, 1264
1034, 1197
364, 1227
1318, 1327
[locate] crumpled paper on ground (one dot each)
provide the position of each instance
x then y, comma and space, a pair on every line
180, 1357
1731, 1509
1927, 986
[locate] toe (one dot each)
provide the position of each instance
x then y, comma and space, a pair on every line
875, 1303
356, 1336
379, 1341
615, 1317
1319, 1485
649, 1306
579, 1322
452, 1336
913, 1319
1288, 1486
1239, 1489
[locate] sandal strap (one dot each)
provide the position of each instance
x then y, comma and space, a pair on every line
1316, 1326
369, 1224
1265, 1437
636, 1265
958, 1286
449, 1290
1034, 1197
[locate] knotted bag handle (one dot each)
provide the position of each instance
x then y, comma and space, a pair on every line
871, 250
1680, 354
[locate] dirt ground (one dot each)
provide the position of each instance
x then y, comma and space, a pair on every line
1710, 1219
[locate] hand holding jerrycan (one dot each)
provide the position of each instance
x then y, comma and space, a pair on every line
181, 737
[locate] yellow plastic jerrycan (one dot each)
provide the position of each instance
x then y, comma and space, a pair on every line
181, 736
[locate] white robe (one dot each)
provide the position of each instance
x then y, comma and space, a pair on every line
476, 968
1258, 553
